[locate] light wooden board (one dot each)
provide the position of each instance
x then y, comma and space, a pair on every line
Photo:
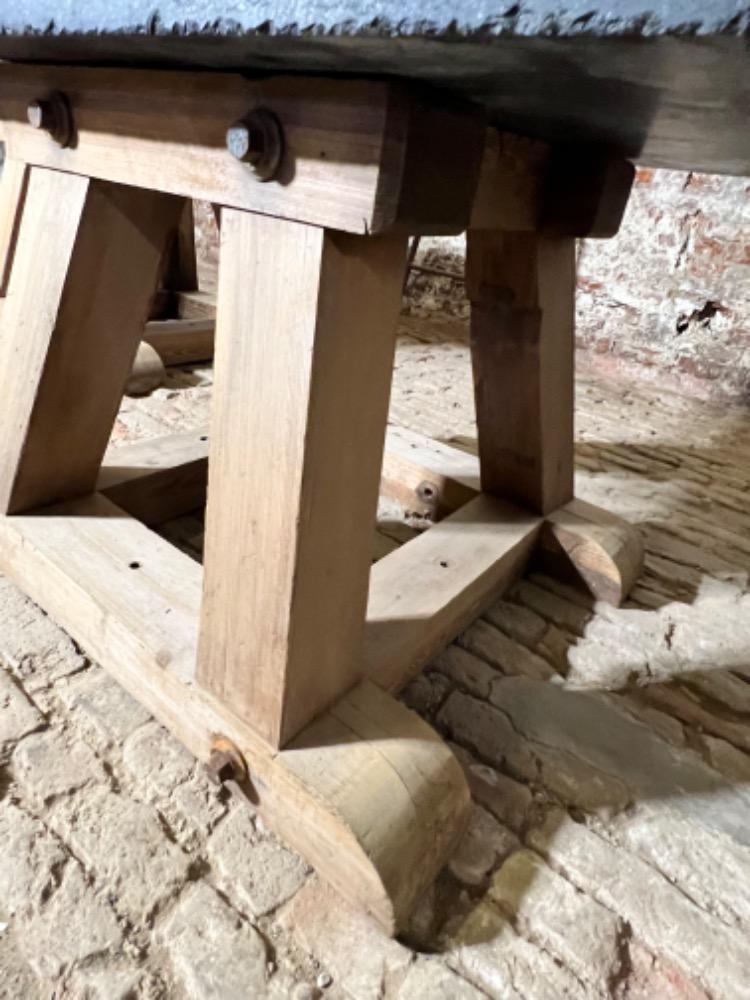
424, 593
84, 269
359, 155
522, 292
369, 794
425, 476
158, 478
305, 336
605, 551
181, 341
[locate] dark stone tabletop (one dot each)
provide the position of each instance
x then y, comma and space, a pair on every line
666, 82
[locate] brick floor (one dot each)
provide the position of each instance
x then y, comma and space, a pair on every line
607, 752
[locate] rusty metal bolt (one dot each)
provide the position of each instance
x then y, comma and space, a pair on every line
226, 763
53, 115
257, 139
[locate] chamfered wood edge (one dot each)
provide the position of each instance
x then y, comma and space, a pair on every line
361, 155
425, 592
165, 477
368, 793
605, 551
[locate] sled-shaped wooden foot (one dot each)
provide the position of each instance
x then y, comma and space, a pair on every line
275, 661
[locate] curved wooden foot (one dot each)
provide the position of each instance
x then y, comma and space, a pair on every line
605, 551
368, 792
396, 792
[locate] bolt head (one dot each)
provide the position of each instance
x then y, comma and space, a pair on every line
239, 142
54, 116
257, 139
40, 115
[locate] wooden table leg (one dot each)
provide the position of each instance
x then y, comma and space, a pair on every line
522, 288
304, 351
83, 269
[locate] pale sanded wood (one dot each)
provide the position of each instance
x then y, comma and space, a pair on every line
147, 372
362, 156
158, 478
84, 269
14, 177
196, 305
181, 341
305, 338
423, 594
425, 476
369, 794
522, 292
605, 551
164, 477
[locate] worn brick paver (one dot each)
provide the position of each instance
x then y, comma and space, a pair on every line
607, 752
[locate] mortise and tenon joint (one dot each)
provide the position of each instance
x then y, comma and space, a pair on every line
286, 641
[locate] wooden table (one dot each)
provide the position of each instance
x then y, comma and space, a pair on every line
278, 660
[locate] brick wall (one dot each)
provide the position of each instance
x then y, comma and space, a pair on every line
667, 300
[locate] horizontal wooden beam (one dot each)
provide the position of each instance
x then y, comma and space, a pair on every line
164, 477
424, 593
529, 186
359, 155
603, 551
368, 793
158, 478
181, 341
428, 478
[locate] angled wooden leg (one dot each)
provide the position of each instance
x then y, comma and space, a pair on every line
181, 272
13, 183
522, 287
304, 350
84, 268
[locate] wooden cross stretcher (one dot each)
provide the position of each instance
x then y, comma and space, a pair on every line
283, 652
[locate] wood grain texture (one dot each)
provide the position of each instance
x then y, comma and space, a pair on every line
147, 372
159, 478
605, 552
14, 179
424, 593
425, 476
85, 267
522, 292
360, 155
305, 338
528, 186
369, 794
181, 341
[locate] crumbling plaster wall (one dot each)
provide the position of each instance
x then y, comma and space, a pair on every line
667, 300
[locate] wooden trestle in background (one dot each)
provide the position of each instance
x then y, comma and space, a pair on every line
288, 647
